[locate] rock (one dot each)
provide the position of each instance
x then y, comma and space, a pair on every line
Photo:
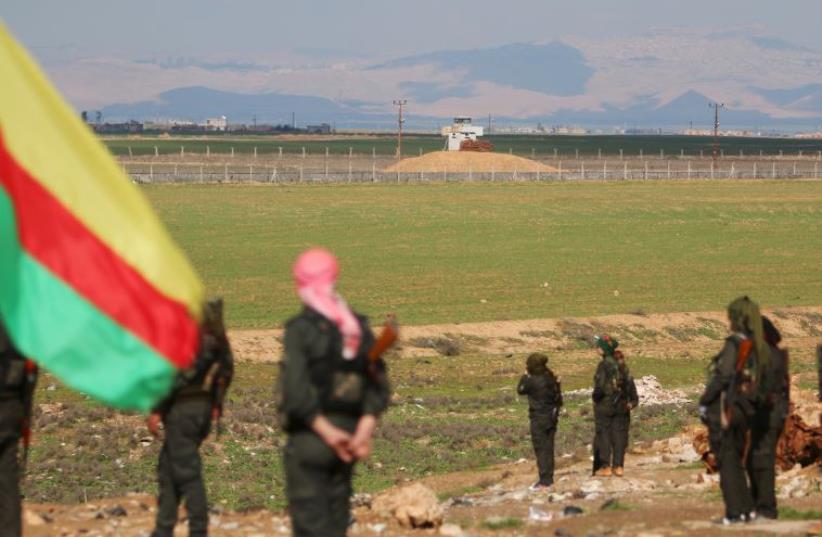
377, 528
538, 515
561, 532
572, 510
414, 506
559, 497
361, 500
450, 530
116, 511
33, 519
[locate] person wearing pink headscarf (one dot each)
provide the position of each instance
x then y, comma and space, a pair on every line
331, 398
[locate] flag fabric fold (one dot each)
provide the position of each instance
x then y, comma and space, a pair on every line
91, 285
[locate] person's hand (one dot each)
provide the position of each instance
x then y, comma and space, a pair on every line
153, 424
361, 442
334, 437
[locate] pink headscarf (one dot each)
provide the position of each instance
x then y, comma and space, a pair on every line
315, 273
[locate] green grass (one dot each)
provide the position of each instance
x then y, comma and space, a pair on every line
451, 414
566, 146
478, 252
501, 523
789, 513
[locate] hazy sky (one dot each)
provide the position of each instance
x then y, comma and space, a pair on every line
259, 29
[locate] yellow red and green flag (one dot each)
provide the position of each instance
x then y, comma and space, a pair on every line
91, 285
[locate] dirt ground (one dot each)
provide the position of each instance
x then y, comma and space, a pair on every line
664, 334
663, 493
440, 161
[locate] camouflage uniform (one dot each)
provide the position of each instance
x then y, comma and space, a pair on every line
187, 416
316, 380
544, 403
628, 399
16, 390
766, 426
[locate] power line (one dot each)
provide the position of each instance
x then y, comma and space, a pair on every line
400, 103
716, 107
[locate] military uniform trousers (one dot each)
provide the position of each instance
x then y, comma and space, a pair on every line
543, 430
611, 439
187, 424
761, 463
11, 413
318, 486
732, 479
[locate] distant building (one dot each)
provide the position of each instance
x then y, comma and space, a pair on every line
130, 127
322, 128
460, 131
216, 124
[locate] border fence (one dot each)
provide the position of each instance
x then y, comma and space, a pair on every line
373, 170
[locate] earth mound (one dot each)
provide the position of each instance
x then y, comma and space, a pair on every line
465, 161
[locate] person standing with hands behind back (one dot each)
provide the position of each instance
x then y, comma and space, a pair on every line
332, 395
544, 403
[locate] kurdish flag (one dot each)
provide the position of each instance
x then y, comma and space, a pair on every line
91, 284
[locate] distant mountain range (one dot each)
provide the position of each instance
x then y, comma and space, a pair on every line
663, 79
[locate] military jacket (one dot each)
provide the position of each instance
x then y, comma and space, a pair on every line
316, 379
543, 391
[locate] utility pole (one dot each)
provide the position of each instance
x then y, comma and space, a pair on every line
400, 103
716, 107
489, 123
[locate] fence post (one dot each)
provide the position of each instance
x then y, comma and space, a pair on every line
712, 169
202, 179
471, 172
255, 151
129, 152
208, 151
560, 170
492, 174
646, 170
605, 170
232, 151
624, 171
576, 154
251, 172
301, 173
661, 154
373, 171
731, 172
794, 168
533, 152
599, 154
175, 171
156, 151
182, 151
669, 170
689, 169
349, 169
582, 169
681, 153
816, 170
701, 153
225, 172
641, 157
773, 170
754, 170
280, 151
420, 151
303, 152
741, 153
151, 172
373, 152
555, 153
620, 154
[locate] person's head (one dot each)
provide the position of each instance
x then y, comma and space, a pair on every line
213, 316
536, 363
744, 316
606, 345
772, 335
316, 266
619, 356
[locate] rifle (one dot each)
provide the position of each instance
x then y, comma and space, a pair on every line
727, 401
390, 334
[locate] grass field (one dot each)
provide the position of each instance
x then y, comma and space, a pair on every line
450, 414
470, 252
520, 144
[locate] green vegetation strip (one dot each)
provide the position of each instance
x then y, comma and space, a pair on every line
485, 252
525, 145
